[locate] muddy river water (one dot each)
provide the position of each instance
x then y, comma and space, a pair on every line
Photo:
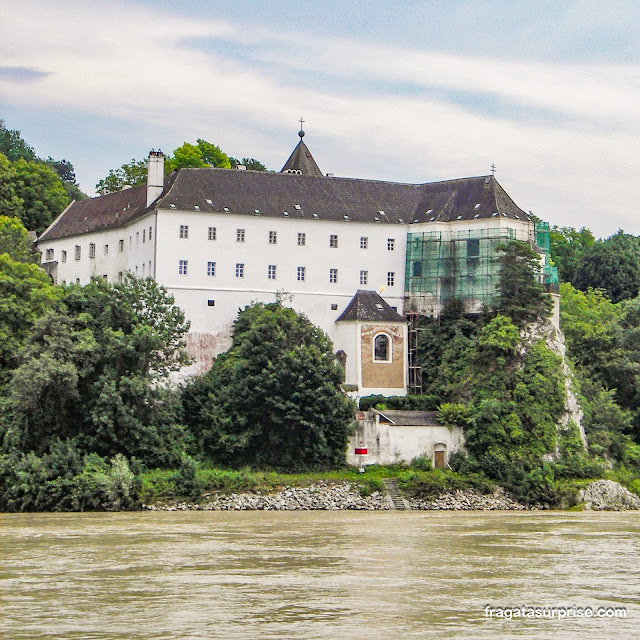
365, 575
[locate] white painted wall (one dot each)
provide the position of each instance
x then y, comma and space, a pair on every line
137, 255
314, 296
389, 444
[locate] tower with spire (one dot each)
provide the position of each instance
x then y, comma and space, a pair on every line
301, 161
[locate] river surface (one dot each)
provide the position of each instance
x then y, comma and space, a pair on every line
365, 575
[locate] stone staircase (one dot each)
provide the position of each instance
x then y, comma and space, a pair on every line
396, 501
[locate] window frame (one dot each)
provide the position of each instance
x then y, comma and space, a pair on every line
183, 232
183, 267
389, 348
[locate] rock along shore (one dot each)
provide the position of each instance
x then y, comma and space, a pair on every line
338, 497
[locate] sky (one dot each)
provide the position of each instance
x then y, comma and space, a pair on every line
405, 91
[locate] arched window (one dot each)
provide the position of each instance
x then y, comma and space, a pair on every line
382, 348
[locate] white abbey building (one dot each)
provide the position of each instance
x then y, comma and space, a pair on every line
354, 255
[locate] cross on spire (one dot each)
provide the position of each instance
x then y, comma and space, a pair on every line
301, 122
301, 132
493, 169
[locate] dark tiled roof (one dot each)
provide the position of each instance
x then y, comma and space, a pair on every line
301, 196
302, 160
345, 199
410, 418
104, 212
368, 306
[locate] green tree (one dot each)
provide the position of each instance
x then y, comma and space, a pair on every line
129, 174
212, 155
568, 245
67, 174
612, 265
202, 154
274, 399
26, 294
11, 204
14, 241
521, 297
13, 146
250, 163
96, 370
42, 193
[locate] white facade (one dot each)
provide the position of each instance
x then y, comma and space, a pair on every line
215, 261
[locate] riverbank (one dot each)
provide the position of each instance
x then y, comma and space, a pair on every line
343, 496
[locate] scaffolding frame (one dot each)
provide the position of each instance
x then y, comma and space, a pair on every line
464, 265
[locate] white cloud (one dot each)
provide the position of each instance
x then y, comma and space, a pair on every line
576, 167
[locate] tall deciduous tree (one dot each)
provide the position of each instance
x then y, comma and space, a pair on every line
129, 174
94, 371
274, 399
568, 245
613, 265
14, 241
42, 193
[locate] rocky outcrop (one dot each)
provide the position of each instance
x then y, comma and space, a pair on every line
469, 500
554, 339
606, 495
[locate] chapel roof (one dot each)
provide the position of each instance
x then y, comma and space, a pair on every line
368, 306
301, 161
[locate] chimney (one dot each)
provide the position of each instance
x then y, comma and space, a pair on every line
155, 176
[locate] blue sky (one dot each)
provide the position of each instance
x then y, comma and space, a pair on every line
401, 91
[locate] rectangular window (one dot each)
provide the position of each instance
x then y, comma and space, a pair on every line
137, 238
416, 269
120, 245
364, 277
333, 276
391, 278
473, 248
92, 250
391, 244
77, 252
182, 267
143, 266
302, 239
333, 241
184, 230
302, 274
212, 233
77, 280
144, 236
129, 242
211, 303
120, 276
149, 234
271, 272
49, 254
106, 249
211, 268
239, 235
63, 255
273, 237
364, 242
239, 269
